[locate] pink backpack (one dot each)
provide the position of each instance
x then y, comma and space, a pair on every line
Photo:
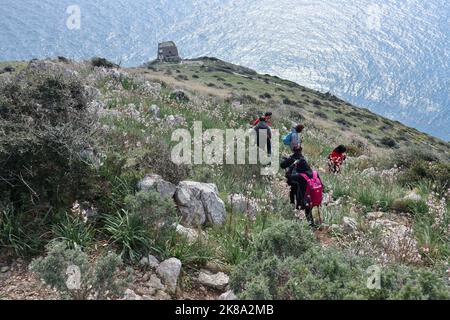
314, 190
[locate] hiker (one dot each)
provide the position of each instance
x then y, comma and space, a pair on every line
309, 191
336, 158
288, 164
266, 117
260, 128
294, 138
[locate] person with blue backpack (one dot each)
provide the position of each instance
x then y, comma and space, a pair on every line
294, 138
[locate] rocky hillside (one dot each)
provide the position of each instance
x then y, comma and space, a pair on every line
88, 186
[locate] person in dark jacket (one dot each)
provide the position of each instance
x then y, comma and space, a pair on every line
267, 117
261, 127
288, 164
300, 166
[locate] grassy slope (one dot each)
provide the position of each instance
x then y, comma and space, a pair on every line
220, 82
212, 77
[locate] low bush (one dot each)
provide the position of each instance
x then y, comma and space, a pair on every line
70, 272
313, 272
409, 206
102, 62
129, 233
45, 129
74, 232
388, 142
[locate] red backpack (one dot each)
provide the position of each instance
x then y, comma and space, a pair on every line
314, 190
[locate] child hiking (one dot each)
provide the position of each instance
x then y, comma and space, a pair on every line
336, 158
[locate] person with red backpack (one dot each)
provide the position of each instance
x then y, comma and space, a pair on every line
288, 164
266, 117
309, 188
336, 158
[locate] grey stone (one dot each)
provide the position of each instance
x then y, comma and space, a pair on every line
4, 269
413, 196
217, 281
374, 215
131, 295
349, 225
191, 235
151, 261
169, 271
154, 109
229, 295
155, 182
199, 203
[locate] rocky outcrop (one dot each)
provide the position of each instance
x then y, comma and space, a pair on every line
199, 203
169, 271
155, 182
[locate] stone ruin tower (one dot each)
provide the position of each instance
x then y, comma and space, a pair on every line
168, 52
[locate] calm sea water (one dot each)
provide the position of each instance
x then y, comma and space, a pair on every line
391, 56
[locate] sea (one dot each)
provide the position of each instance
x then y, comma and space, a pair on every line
390, 56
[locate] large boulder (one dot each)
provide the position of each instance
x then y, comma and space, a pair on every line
199, 203
155, 182
216, 281
169, 271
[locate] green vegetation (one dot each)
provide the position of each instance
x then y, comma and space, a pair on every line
55, 153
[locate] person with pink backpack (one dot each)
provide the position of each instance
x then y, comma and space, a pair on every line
309, 188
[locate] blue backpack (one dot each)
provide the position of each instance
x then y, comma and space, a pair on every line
287, 139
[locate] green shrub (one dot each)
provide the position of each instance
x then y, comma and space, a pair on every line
419, 170
157, 159
102, 62
129, 232
74, 277
196, 253
332, 274
321, 114
409, 206
45, 130
73, 231
12, 233
388, 142
284, 239
157, 213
